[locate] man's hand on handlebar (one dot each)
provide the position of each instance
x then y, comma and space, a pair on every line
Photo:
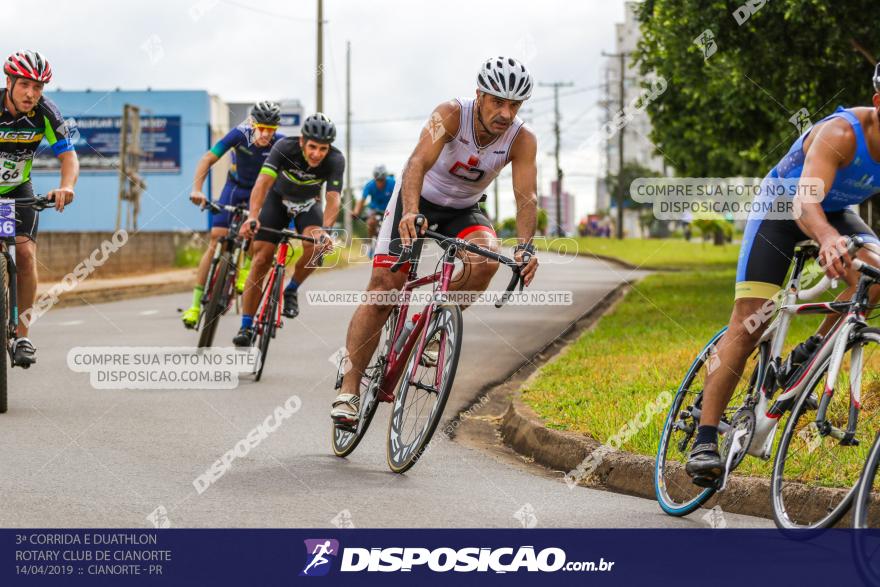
249, 227
833, 255
325, 241
198, 198
408, 230
527, 272
60, 197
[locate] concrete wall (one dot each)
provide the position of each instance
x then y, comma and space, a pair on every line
58, 253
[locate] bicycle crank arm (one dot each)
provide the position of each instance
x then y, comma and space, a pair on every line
736, 447
723, 427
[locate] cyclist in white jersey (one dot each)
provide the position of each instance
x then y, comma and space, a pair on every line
461, 150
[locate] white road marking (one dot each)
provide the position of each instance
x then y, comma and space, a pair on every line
148, 312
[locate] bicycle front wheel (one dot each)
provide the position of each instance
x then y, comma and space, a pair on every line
814, 473
424, 388
266, 325
4, 332
217, 302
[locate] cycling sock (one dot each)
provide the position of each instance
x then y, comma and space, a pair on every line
198, 291
292, 286
247, 320
706, 434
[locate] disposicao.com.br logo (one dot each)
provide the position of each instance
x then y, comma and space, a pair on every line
444, 559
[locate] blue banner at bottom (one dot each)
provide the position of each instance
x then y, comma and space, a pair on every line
437, 557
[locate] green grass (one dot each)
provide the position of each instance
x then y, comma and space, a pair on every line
650, 253
644, 347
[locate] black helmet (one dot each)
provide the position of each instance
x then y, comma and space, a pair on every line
319, 128
266, 113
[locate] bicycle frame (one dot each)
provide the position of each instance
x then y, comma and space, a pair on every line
276, 273
833, 345
395, 362
229, 241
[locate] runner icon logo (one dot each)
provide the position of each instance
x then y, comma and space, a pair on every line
320, 552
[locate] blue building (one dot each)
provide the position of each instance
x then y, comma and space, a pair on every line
176, 132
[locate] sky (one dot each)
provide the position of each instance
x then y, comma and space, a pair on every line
407, 57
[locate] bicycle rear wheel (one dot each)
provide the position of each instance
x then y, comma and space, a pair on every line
266, 325
346, 440
218, 300
676, 493
4, 333
814, 476
423, 390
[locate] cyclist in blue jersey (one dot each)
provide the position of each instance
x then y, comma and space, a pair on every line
250, 144
377, 194
838, 159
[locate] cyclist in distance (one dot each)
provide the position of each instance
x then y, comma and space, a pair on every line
462, 148
26, 118
250, 144
837, 159
377, 194
296, 169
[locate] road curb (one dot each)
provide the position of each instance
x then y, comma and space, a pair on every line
563, 452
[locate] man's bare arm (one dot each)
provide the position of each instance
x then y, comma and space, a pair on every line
523, 153
831, 148
440, 129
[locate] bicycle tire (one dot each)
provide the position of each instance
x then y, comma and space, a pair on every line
216, 303
401, 457
866, 484
267, 328
834, 513
667, 503
4, 332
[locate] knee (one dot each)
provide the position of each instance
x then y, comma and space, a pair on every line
262, 257
749, 320
26, 259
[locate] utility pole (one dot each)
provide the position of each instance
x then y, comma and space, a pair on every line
347, 196
319, 77
556, 131
131, 183
621, 189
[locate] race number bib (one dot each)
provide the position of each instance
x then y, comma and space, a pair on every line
7, 218
11, 172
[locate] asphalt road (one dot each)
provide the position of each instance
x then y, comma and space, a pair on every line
75, 456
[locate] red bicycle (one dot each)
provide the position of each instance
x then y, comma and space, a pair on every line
423, 381
268, 318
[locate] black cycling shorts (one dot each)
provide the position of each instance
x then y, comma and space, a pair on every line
274, 215
451, 222
27, 220
768, 247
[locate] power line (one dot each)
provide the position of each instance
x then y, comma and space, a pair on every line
266, 12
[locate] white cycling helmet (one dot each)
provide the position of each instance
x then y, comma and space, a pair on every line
506, 78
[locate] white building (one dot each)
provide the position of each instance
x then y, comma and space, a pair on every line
638, 147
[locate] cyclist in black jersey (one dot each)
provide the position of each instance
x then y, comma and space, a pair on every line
26, 118
296, 169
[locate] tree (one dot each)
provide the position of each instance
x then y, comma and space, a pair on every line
730, 113
631, 172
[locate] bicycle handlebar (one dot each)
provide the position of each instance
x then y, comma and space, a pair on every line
285, 232
217, 208
853, 244
408, 253
37, 202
